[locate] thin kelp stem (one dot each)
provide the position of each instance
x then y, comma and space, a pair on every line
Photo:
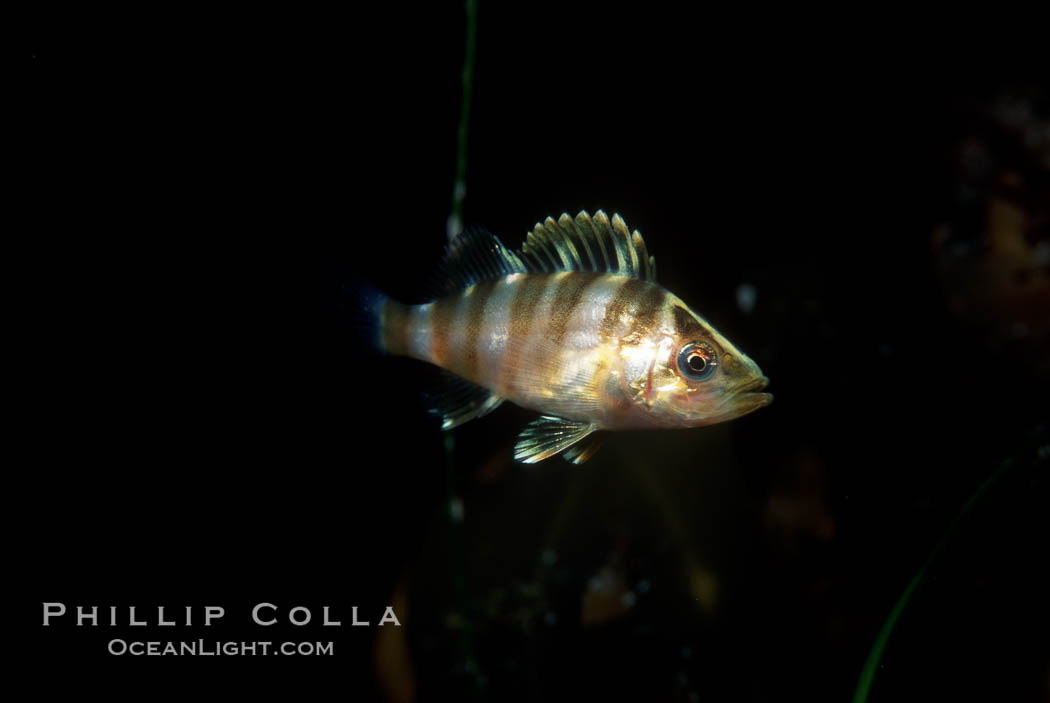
878, 648
459, 188
454, 504
458, 558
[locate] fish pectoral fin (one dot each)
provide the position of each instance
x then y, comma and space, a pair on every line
456, 400
545, 437
584, 450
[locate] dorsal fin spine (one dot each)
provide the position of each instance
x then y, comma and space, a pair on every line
620, 228
638, 244
551, 238
540, 251
567, 224
586, 226
622, 261
563, 243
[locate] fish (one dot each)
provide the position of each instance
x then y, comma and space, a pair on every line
573, 326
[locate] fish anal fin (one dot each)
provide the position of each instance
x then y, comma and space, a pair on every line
456, 400
547, 436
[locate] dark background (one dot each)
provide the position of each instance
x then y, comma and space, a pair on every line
202, 427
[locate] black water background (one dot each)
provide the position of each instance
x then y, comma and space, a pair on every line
204, 429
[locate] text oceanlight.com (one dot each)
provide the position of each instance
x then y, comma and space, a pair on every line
213, 648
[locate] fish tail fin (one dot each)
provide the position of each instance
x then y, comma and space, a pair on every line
362, 306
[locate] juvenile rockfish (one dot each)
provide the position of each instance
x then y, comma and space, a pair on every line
574, 327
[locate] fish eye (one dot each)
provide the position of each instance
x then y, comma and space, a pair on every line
697, 360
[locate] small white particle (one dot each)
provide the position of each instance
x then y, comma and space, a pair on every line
455, 509
746, 296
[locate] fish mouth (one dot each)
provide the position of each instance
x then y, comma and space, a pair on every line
755, 385
748, 396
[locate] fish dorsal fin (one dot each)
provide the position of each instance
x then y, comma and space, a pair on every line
582, 243
474, 255
586, 243
545, 437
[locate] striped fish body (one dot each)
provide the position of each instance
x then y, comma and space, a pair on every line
589, 349
547, 342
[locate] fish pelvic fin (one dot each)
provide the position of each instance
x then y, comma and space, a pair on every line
585, 449
547, 436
